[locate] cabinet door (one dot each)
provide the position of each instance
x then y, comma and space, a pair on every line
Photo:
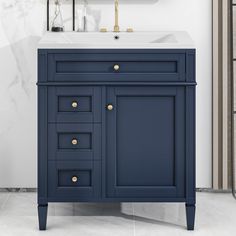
145, 142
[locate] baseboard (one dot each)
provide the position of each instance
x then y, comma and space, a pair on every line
33, 190
20, 190
210, 190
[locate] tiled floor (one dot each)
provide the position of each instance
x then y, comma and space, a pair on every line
215, 216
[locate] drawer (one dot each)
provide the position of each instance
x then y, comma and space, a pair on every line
74, 180
117, 67
74, 104
74, 142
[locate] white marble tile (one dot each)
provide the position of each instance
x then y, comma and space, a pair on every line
215, 216
167, 213
19, 204
92, 225
67, 225
3, 199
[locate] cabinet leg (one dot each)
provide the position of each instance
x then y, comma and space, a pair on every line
42, 216
190, 214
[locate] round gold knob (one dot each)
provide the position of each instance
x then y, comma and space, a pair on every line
74, 104
74, 179
116, 67
74, 141
109, 107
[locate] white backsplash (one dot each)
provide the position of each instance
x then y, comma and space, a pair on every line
22, 24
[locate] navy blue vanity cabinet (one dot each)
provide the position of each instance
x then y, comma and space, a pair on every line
116, 126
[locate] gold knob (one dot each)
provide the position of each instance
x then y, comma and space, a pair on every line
74, 179
74, 104
109, 107
116, 67
74, 141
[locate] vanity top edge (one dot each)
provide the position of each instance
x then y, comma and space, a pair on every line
121, 40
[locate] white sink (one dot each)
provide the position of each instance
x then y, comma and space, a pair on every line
155, 39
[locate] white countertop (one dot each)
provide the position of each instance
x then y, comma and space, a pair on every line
135, 40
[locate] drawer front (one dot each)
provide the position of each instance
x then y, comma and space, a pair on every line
103, 67
74, 142
74, 104
70, 180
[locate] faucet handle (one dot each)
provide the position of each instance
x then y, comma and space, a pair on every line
103, 30
129, 30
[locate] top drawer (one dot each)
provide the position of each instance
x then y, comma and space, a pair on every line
116, 67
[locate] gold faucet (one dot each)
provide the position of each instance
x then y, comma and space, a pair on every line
116, 27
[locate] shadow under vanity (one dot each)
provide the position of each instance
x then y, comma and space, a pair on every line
116, 119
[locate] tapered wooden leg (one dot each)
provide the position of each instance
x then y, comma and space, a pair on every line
42, 216
190, 214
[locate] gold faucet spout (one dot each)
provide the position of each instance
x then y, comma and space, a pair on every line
116, 27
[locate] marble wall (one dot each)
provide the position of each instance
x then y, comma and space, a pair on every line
22, 24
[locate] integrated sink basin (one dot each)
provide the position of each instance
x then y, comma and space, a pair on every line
155, 39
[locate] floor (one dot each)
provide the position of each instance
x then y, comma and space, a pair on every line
216, 215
